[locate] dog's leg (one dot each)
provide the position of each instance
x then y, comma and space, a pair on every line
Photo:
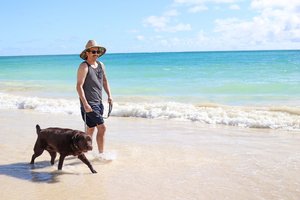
38, 149
34, 156
53, 156
85, 160
37, 153
61, 161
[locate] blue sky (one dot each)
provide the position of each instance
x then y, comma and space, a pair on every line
36, 27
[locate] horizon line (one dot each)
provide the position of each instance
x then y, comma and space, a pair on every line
204, 51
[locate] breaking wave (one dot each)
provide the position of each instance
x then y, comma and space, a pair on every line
283, 117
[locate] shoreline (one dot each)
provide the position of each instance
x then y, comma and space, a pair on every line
155, 159
284, 117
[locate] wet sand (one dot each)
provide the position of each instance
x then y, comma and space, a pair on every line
155, 159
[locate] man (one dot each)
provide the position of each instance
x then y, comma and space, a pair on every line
91, 78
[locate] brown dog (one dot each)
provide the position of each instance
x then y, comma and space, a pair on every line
63, 141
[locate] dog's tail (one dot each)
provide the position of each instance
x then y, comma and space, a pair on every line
38, 129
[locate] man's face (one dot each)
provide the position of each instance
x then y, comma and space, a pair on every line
93, 53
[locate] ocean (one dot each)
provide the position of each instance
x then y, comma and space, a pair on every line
251, 89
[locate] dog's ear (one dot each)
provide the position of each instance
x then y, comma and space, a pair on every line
82, 138
77, 137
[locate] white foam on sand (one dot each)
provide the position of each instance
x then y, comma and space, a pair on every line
107, 156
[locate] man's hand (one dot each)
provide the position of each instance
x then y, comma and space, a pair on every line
87, 108
110, 100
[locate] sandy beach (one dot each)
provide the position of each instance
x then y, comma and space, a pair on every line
206, 99
154, 159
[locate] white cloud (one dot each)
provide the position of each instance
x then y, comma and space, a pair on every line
164, 23
234, 7
275, 26
133, 31
171, 13
140, 37
204, 1
276, 23
267, 4
159, 23
178, 27
167, 43
197, 8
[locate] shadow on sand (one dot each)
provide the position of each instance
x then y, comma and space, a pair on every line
25, 171
32, 172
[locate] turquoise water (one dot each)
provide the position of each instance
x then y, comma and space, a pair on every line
231, 78
255, 89
222, 77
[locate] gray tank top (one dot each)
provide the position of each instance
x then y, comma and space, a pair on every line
93, 84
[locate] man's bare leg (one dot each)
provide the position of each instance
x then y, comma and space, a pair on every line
90, 131
100, 137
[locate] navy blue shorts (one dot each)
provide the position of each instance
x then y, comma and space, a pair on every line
95, 117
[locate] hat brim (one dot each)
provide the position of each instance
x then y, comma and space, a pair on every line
84, 56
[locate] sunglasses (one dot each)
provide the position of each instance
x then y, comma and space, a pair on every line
94, 51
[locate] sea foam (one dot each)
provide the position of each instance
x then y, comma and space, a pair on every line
287, 118
8, 101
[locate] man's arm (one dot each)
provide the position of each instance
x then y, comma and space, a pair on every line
81, 75
106, 85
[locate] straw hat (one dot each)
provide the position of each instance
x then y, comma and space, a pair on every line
90, 44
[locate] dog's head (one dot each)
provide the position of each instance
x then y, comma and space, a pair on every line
83, 142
